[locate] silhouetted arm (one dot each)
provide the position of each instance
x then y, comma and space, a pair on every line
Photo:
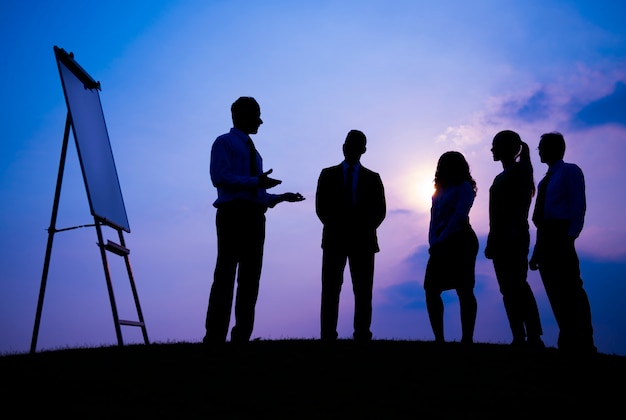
265, 182
575, 182
289, 197
322, 198
380, 205
228, 171
460, 217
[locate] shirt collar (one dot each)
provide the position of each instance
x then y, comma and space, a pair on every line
238, 133
552, 169
355, 166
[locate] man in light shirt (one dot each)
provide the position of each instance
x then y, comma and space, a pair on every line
242, 200
559, 217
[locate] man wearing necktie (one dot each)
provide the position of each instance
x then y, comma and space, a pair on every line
242, 200
559, 217
350, 203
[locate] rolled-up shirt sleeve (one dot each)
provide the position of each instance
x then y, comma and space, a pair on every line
230, 164
577, 200
230, 171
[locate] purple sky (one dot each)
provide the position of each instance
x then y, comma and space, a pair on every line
418, 78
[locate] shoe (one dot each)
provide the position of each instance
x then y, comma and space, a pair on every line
535, 343
518, 342
212, 346
467, 341
583, 351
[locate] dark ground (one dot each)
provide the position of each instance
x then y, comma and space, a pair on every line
302, 379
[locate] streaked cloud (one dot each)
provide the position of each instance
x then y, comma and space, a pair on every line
610, 109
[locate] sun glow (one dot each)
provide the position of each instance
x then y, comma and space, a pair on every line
422, 189
425, 191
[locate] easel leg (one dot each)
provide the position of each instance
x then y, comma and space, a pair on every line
116, 319
134, 289
51, 232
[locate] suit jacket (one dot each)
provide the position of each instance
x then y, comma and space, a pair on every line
350, 227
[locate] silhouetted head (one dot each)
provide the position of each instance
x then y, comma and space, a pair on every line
354, 146
246, 114
506, 146
551, 148
453, 169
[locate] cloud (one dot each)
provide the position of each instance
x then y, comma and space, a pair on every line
408, 295
603, 242
464, 135
528, 109
523, 109
407, 291
603, 282
606, 110
418, 258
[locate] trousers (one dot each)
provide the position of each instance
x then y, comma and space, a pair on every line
240, 240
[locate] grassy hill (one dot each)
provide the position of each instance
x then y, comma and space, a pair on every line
307, 379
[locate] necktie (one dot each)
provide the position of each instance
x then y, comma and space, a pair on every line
254, 169
540, 204
349, 184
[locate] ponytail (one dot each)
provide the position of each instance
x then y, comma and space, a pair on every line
524, 153
524, 157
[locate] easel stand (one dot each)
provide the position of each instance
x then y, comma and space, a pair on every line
115, 248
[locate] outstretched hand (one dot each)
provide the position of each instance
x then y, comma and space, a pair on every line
292, 197
266, 182
488, 253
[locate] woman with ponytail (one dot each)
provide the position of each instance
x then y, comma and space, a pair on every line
508, 243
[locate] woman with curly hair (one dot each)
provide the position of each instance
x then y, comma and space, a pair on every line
453, 245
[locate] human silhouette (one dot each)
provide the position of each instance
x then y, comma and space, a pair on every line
508, 242
242, 200
559, 216
453, 245
350, 202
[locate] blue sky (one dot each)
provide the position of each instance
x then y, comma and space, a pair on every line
419, 78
